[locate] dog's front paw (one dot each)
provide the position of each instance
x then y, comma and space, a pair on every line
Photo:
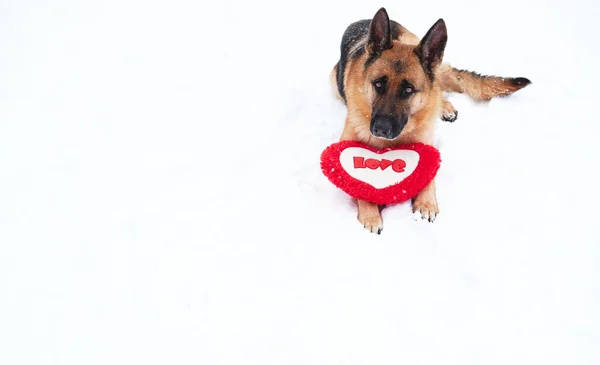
425, 207
449, 114
372, 223
369, 216
450, 117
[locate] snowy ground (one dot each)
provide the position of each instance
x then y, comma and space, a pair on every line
161, 200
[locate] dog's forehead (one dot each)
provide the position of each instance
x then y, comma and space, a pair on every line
400, 60
398, 65
398, 70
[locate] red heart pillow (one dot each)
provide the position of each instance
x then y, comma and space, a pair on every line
382, 176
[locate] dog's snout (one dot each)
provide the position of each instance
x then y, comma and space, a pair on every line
382, 127
388, 126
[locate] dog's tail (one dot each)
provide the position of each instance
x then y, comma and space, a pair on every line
479, 87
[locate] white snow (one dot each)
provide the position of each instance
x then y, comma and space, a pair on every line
161, 200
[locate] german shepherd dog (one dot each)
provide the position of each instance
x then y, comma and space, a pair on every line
392, 84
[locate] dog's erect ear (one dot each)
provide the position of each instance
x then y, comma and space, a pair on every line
380, 33
431, 48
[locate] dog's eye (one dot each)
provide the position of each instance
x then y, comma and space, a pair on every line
380, 84
406, 90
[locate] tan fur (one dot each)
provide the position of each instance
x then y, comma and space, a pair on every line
408, 38
479, 88
448, 111
370, 216
333, 82
426, 203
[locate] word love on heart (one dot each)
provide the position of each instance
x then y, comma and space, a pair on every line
381, 176
397, 165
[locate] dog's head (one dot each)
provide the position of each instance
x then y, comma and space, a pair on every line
399, 78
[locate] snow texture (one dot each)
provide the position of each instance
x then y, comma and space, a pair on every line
161, 200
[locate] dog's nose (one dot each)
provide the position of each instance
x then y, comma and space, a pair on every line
382, 127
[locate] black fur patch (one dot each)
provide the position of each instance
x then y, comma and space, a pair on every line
371, 59
395, 27
359, 52
355, 32
398, 66
520, 81
402, 93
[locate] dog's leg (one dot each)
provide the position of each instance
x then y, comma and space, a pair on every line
449, 113
368, 213
370, 216
425, 203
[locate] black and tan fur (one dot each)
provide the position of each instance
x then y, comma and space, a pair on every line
392, 83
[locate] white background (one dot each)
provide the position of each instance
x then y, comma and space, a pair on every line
161, 200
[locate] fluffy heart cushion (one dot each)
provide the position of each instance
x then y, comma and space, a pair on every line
381, 176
